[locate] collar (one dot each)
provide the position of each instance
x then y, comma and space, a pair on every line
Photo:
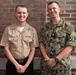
59, 24
14, 26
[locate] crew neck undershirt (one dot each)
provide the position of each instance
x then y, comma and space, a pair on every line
20, 28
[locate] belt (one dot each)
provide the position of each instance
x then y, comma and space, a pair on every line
22, 60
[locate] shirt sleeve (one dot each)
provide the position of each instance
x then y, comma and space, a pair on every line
70, 36
42, 35
35, 42
4, 41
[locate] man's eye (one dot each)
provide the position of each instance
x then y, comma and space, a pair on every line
54, 8
24, 13
50, 9
21, 12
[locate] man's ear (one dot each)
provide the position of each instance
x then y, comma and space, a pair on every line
27, 14
59, 9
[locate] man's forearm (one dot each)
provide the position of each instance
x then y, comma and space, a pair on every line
43, 51
31, 56
9, 56
66, 51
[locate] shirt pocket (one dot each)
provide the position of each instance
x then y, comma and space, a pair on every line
27, 38
61, 38
61, 34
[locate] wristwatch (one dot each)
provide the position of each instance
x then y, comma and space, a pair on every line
56, 59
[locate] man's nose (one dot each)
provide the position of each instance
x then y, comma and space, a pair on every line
21, 14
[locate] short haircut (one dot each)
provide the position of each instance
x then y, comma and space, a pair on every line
53, 2
23, 6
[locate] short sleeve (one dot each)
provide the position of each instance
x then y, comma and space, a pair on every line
4, 40
42, 35
70, 36
35, 42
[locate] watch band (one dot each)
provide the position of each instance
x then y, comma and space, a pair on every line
56, 59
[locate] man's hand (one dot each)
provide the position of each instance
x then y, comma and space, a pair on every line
21, 68
50, 62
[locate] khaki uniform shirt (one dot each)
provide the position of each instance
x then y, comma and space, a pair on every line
19, 43
55, 38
